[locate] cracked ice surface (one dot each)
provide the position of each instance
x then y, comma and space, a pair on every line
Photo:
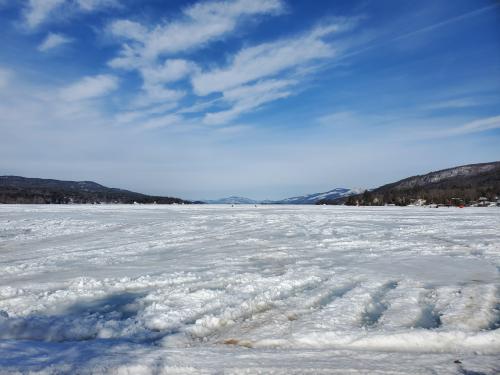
268, 289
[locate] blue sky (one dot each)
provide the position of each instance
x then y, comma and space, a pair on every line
260, 98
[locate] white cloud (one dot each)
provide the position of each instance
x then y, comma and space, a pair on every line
131, 116
52, 41
144, 46
38, 12
89, 87
154, 93
170, 71
344, 118
90, 5
252, 74
127, 29
453, 103
476, 126
161, 122
267, 59
246, 98
199, 106
155, 78
437, 127
245, 83
199, 24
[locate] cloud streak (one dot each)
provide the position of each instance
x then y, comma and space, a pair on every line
146, 49
266, 60
266, 72
244, 99
254, 76
89, 88
38, 12
52, 41
476, 126
199, 24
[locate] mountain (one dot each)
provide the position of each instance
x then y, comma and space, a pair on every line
303, 199
232, 200
313, 198
459, 185
15, 189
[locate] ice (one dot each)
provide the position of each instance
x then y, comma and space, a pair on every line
147, 289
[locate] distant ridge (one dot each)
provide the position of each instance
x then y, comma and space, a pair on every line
232, 200
16, 189
458, 185
303, 199
313, 198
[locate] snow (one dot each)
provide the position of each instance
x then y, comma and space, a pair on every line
148, 289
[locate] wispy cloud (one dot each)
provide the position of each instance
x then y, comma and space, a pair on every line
342, 118
374, 44
199, 24
453, 104
89, 87
444, 23
476, 126
90, 5
139, 115
250, 97
264, 73
170, 71
53, 40
417, 127
254, 76
161, 122
199, 106
155, 77
37, 12
266, 60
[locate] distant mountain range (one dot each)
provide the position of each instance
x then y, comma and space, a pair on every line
15, 189
459, 185
303, 199
313, 198
232, 200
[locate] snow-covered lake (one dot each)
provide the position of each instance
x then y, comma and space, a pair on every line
268, 289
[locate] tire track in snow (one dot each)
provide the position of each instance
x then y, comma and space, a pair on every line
288, 312
470, 308
377, 304
262, 302
410, 306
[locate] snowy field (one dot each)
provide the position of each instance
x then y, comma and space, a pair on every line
268, 289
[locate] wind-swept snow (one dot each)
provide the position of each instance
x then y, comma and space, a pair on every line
268, 289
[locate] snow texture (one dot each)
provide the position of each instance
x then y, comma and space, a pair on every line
269, 289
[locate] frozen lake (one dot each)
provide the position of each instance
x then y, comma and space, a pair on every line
268, 289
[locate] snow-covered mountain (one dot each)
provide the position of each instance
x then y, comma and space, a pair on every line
313, 198
232, 200
303, 199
